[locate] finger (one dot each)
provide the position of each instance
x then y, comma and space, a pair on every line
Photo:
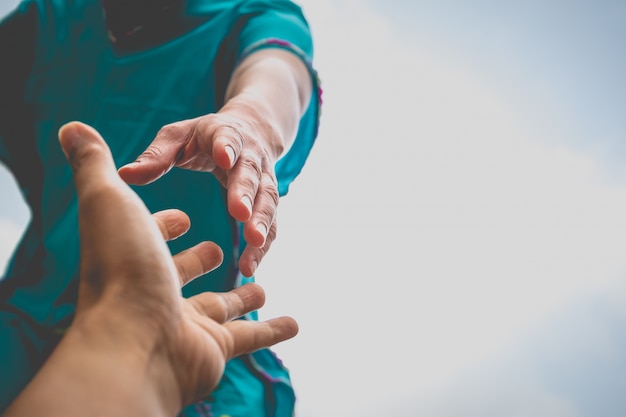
257, 227
249, 336
173, 223
243, 183
251, 256
227, 145
197, 260
226, 306
88, 155
160, 156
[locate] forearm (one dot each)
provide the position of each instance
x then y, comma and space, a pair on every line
278, 84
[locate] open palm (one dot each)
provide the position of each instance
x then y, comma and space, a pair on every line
130, 282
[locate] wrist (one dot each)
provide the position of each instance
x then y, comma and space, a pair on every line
81, 378
280, 82
126, 356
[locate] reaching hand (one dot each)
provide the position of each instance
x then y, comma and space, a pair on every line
230, 148
130, 305
266, 96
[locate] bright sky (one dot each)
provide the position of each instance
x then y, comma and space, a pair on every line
455, 246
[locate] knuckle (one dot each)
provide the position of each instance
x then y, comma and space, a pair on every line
238, 136
270, 188
250, 184
251, 164
271, 234
173, 131
152, 152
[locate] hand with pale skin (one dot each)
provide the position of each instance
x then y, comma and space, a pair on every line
240, 144
136, 346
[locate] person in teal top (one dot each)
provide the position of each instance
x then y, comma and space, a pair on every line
211, 107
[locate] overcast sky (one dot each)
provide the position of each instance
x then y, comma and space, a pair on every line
456, 244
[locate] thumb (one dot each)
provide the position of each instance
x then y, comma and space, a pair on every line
88, 155
160, 156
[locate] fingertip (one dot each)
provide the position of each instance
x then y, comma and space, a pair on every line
173, 223
255, 236
284, 327
75, 138
293, 326
137, 173
255, 287
214, 254
252, 294
126, 173
70, 135
198, 260
248, 264
67, 128
250, 336
147, 167
240, 209
129, 166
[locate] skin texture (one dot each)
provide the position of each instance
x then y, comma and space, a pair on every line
240, 144
136, 346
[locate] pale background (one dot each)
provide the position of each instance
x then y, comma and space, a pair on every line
455, 246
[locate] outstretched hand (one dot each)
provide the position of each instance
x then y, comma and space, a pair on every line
125, 256
232, 145
131, 318
266, 96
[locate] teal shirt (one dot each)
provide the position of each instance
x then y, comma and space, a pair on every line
61, 66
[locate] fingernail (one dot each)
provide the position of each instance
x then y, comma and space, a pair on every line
73, 135
130, 164
70, 136
261, 229
231, 154
247, 202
